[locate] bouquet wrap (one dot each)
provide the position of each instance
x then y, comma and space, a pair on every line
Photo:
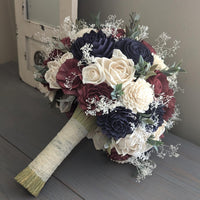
34, 177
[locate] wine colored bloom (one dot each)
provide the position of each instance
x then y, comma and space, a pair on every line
116, 157
66, 41
56, 53
102, 46
69, 77
160, 83
118, 123
134, 49
152, 50
120, 33
89, 94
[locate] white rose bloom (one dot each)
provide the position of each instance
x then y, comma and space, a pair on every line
83, 31
138, 95
50, 75
118, 69
134, 144
159, 62
93, 74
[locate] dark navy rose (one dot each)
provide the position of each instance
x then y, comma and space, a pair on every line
118, 123
157, 114
133, 49
102, 46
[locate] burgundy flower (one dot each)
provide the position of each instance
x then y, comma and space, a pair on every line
120, 33
56, 53
152, 50
66, 41
170, 104
160, 83
116, 157
90, 91
69, 77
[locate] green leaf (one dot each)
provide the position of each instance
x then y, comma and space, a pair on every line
143, 68
96, 19
144, 115
38, 67
149, 74
153, 142
117, 92
175, 68
153, 67
148, 121
132, 29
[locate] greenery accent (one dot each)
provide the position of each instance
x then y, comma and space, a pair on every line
144, 69
96, 20
41, 70
29, 180
154, 143
132, 30
59, 45
146, 118
175, 68
117, 92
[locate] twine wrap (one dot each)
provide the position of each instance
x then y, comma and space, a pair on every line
34, 176
58, 149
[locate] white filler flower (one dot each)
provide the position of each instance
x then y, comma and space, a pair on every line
138, 95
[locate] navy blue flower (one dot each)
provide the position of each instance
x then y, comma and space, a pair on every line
118, 123
133, 49
156, 117
102, 46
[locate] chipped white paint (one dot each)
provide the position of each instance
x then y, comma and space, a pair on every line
28, 43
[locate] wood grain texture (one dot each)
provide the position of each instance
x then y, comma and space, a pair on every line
29, 124
12, 161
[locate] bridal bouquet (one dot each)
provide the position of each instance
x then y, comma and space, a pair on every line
115, 88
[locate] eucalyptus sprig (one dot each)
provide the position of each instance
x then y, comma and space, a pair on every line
96, 20
144, 69
132, 30
59, 45
155, 143
146, 118
175, 68
117, 92
39, 74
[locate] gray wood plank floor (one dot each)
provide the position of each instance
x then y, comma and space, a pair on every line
27, 124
